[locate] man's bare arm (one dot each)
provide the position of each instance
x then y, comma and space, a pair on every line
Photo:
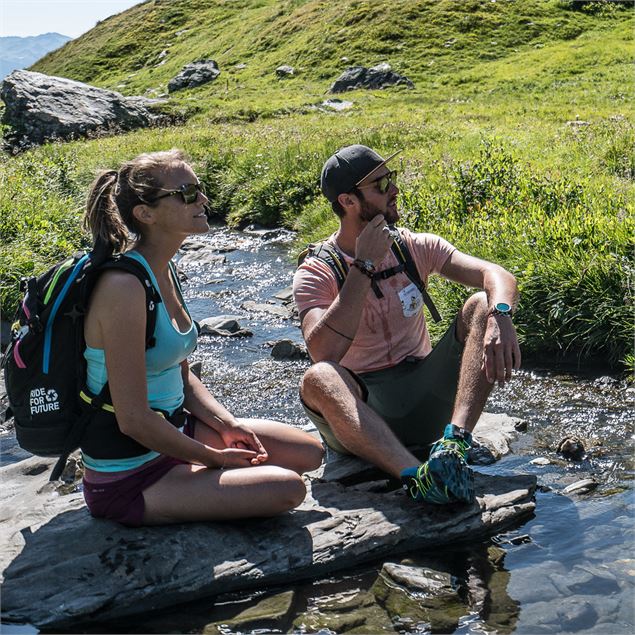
501, 352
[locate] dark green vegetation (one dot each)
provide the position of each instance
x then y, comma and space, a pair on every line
517, 138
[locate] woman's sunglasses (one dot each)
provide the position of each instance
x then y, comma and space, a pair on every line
383, 183
188, 192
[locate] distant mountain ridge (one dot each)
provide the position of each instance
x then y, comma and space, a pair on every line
21, 52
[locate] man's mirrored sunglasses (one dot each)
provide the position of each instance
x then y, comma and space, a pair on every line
383, 183
188, 191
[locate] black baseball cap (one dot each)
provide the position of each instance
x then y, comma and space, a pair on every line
348, 167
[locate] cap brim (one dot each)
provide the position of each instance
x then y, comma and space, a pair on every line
394, 154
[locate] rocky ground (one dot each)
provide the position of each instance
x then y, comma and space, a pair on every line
97, 570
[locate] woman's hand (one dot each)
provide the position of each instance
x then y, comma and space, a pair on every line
237, 436
233, 457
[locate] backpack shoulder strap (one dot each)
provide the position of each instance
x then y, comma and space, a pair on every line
153, 298
329, 255
403, 255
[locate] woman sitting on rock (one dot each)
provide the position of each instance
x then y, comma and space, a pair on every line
165, 457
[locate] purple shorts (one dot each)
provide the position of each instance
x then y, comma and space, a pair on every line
122, 500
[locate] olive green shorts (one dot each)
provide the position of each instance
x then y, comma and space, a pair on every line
415, 397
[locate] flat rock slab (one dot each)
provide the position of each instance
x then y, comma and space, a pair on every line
60, 566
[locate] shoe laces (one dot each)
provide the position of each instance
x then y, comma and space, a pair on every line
423, 483
457, 446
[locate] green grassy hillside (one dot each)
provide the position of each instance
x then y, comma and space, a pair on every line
469, 46
517, 137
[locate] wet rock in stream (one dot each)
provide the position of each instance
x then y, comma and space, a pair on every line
270, 613
284, 312
286, 349
423, 596
202, 257
225, 326
119, 572
571, 448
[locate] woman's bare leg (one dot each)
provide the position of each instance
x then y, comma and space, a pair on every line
193, 492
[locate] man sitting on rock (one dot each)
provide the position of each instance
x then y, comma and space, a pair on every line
377, 386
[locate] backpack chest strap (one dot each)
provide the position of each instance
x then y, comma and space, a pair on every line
384, 274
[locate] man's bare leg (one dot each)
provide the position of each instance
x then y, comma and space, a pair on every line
473, 388
330, 390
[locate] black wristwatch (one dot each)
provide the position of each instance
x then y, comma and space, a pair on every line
365, 266
501, 308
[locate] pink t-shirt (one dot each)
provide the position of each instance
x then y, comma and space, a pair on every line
390, 328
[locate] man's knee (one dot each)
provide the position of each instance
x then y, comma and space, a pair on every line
323, 380
473, 314
318, 378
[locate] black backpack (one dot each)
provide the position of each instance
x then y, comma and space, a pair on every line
334, 259
44, 366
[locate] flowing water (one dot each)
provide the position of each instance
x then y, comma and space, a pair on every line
570, 568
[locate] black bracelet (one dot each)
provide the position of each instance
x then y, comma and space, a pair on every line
328, 326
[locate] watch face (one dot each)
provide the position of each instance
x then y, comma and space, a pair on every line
503, 307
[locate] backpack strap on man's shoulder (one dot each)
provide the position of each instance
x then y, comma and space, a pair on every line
325, 252
403, 255
153, 298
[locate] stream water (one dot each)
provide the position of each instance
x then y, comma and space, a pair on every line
570, 568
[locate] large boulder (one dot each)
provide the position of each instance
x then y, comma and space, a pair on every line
194, 74
40, 108
380, 76
61, 567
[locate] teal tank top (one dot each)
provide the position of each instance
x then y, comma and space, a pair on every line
163, 370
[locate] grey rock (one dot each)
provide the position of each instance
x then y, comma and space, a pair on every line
418, 579
496, 432
345, 612
577, 614
571, 448
540, 460
480, 455
574, 614
286, 295
204, 257
380, 76
224, 325
583, 486
225, 322
191, 244
273, 309
97, 570
286, 349
536, 585
285, 71
40, 108
421, 594
270, 613
267, 233
337, 104
586, 580
194, 74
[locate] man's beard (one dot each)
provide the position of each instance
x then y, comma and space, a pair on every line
369, 211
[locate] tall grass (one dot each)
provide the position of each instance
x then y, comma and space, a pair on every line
517, 138
568, 243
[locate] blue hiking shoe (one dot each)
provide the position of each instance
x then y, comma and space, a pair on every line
447, 463
422, 486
